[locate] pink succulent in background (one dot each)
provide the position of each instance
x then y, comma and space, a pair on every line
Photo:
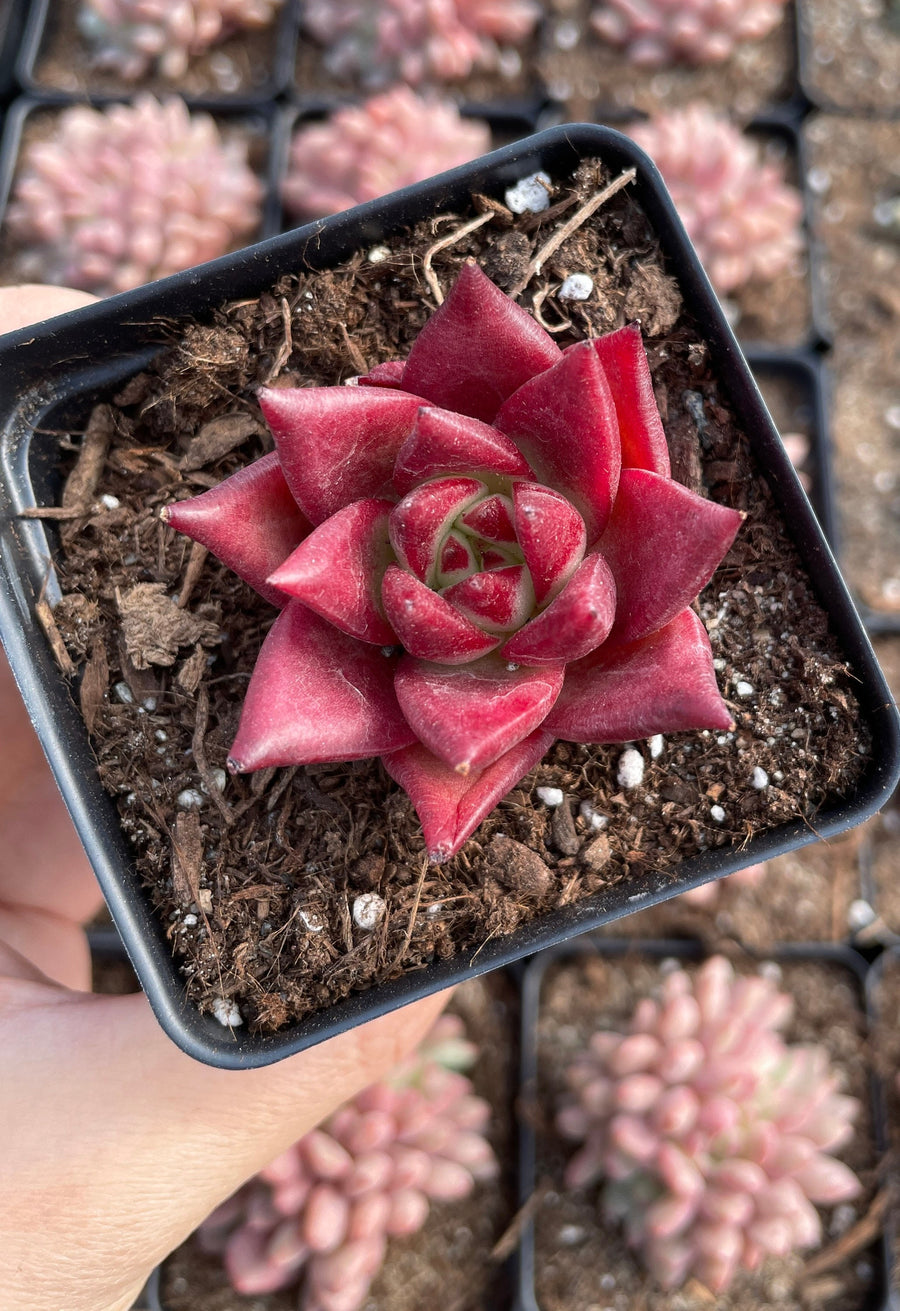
325, 1209
503, 511
364, 151
135, 37
120, 196
739, 212
713, 1136
416, 41
660, 32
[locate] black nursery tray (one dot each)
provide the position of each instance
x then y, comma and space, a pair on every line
56, 371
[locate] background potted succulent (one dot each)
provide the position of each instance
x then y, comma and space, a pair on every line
358, 904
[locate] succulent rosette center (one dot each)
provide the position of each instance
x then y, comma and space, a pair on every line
476, 550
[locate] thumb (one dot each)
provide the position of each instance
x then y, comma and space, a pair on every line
119, 1144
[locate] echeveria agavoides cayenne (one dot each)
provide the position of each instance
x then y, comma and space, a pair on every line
476, 551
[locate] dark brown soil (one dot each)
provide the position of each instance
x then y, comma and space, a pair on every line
593, 79
241, 65
580, 1264
449, 1262
851, 54
239, 874
40, 125
855, 168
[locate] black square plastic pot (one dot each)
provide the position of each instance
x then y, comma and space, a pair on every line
55, 371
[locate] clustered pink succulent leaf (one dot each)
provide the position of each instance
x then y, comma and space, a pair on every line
707, 894
324, 1210
712, 1135
660, 32
364, 151
741, 215
136, 37
126, 194
415, 41
501, 510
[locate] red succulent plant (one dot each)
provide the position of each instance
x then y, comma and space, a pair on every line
477, 550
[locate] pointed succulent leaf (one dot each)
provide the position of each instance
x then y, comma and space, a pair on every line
457, 560
250, 522
337, 444
623, 692
552, 536
317, 695
573, 624
477, 349
387, 374
624, 361
491, 519
470, 715
498, 600
427, 625
337, 570
451, 805
564, 423
663, 544
442, 442
419, 523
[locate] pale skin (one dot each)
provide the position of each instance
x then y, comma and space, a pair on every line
114, 1144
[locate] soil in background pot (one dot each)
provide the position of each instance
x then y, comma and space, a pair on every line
804, 896
851, 54
238, 66
855, 177
580, 1263
590, 76
255, 882
448, 1263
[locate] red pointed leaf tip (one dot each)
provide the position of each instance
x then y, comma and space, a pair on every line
471, 715
498, 600
664, 683
552, 536
477, 349
627, 370
451, 805
575, 623
250, 522
337, 444
564, 423
444, 443
427, 625
337, 571
317, 695
663, 544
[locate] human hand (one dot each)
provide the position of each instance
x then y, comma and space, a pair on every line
115, 1145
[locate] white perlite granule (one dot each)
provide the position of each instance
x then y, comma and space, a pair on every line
631, 769
550, 796
530, 195
226, 1012
577, 286
759, 778
368, 909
